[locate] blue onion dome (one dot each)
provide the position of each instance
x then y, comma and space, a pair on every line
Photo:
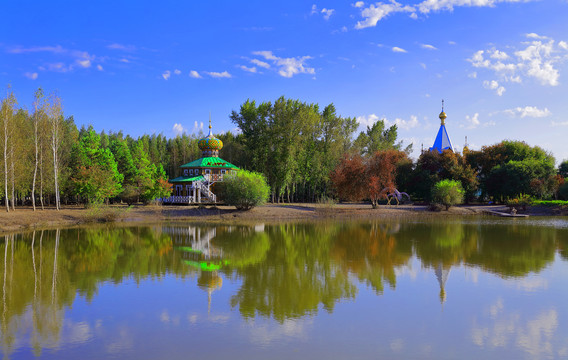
210, 145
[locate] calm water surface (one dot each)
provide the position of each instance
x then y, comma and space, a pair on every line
465, 289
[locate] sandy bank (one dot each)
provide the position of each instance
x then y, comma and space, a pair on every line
25, 218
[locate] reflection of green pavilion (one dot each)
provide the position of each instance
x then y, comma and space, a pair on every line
442, 274
197, 252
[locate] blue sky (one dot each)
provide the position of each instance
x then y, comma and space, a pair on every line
143, 67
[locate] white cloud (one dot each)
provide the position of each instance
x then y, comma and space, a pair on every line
178, 129
368, 120
194, 74
535, 36
403, 124
124, 60
215, 74
536, 59
166, 75
288, 67
23, 50
57, 67
100, 67
122, 47
84, 63
428, 47
528, 111
249, 69
563, 123
177, 71
198, 127
499, 55
437, 5
494, 85
371, 119
327, 13
31, 76
82, 58
314, 9
260, 63
398, 50
376, 12
471, 122
473, 75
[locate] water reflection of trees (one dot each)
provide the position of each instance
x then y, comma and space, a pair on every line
286, 271
371, 253
43, 271
297, 277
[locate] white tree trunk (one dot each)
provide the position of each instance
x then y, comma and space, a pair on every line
6, 162
36, 162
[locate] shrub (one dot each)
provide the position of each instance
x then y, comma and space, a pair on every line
244, 189
448, 193
520, 202
104, 213
325, 205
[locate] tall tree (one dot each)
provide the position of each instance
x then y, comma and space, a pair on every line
96, 175
56, 120
37, 116
7, 111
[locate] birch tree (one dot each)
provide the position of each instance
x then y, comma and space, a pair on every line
56, 119
39, 112
7, 114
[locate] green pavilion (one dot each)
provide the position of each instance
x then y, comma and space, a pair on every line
197, 184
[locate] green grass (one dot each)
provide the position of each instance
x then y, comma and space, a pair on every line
549, 203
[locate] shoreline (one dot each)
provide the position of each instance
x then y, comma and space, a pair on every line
24, 218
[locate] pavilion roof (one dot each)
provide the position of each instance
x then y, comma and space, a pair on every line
186, 179
210, 162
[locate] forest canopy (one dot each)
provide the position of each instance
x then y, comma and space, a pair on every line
305, 152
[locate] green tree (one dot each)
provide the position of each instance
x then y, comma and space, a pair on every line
244, 189
96, 175
378, 137
448, 193
563, 169
433, 166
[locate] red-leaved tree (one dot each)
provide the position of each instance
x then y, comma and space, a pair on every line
357, 178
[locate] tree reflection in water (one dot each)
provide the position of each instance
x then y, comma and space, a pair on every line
285, 271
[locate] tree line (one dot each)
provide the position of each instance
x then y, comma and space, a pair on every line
305, 152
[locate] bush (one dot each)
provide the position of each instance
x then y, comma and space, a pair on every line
520, 202
244, 189
104, 213
448, 193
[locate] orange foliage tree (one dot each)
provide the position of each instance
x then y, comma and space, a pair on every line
357, 178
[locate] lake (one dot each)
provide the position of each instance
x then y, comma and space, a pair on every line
465, 288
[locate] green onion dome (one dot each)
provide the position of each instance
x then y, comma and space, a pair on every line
210, 145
